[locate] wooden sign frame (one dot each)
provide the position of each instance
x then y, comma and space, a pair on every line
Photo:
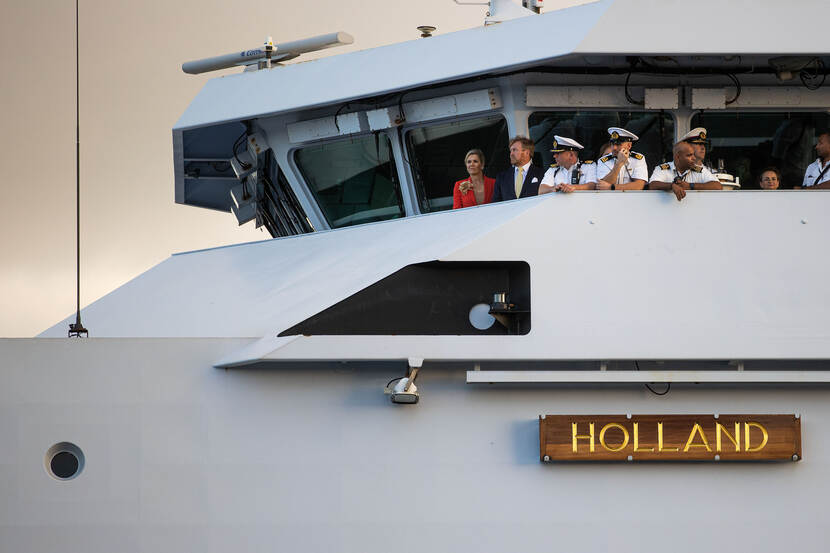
669, 438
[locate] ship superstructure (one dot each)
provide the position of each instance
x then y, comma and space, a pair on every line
233, 398
386, 141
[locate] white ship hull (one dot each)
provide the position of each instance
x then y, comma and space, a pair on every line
181, 456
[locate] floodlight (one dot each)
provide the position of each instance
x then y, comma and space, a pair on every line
404, 391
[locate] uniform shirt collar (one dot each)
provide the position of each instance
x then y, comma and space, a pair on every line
678, 171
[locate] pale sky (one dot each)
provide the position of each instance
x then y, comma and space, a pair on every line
132, 91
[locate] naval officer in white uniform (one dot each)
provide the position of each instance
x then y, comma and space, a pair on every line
683, 173
568, 173
697, 137
622, 169
817, 174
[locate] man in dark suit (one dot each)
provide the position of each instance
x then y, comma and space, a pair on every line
522, 180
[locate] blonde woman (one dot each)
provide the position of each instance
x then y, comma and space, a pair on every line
476, 189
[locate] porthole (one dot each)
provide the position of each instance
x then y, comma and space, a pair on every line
64, 461
480, 316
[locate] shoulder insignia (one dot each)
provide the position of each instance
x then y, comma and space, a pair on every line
635, 155
554, 165
606, 158
665, 166
587, 161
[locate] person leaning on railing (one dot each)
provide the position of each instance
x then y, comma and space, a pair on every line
568, 173
476, 189
682, 174
697, 137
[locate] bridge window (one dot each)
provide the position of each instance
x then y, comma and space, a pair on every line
590, 128
436, 156
354, 180
749, 142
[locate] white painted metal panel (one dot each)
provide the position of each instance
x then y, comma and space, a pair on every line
790, 96
435, 108
708, 98
432, 109
383, 118
662, 98
651, 28
544, 96
183, 457
325, 127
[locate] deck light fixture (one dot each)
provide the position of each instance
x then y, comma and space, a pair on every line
404, 390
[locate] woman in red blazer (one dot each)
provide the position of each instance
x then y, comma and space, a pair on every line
476, 189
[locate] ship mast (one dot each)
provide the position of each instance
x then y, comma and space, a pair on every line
77, 329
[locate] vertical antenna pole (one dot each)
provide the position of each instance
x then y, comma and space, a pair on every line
77, 329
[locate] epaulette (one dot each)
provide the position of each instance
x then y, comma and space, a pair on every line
635, 155
554, 165
588, 161
665, 166
606, 158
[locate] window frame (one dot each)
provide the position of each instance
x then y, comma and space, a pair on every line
407, 128
673, 113
768, 110
403, 188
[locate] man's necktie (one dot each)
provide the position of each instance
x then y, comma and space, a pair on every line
520, 178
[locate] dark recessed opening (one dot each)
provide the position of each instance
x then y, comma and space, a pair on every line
432, 298
64, 465
64, 461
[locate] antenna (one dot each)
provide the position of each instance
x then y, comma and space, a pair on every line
271, 52
76, 329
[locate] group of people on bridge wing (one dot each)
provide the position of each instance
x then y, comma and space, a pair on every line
618, 168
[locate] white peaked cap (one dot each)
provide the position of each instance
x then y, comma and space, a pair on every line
696, 135
563, 144
617, 133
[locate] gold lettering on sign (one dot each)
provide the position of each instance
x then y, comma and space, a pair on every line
605, 429
735, 439
637, 448
660, 447
679, 438
747, 426
575, 436
696, 430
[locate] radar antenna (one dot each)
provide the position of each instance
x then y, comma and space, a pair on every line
270, 52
